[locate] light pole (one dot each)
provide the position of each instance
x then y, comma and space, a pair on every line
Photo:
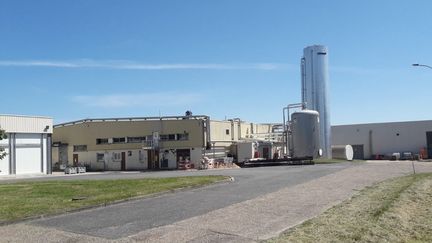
421, 65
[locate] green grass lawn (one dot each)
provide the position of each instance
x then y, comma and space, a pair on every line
28, 199
396, 210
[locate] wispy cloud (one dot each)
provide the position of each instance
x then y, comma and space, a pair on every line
160, 99
353, 70
131, 65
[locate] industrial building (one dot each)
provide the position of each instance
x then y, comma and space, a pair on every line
28, 145
142, 143
373, 140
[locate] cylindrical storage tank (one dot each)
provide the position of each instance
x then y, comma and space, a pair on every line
304, 128
344, 152
315, 88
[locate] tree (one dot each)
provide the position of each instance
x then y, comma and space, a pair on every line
2, 150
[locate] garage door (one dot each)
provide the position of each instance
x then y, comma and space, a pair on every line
28, 153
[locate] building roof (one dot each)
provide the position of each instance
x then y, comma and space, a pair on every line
123, 119
382, 123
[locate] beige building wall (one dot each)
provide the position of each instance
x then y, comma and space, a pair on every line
87, 133
222, 134
220, 131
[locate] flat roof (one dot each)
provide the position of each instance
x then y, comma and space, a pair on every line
380, 123
123, 119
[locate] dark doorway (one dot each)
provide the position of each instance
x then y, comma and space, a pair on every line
123, 161
429, 144
156, 160
152, 159
75, 159
266, 153
164, 159
182, 156
358, 151
63, 154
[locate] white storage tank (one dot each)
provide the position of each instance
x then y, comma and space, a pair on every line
314, 76
305, 127
344, 152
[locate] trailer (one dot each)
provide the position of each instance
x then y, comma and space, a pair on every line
275, 162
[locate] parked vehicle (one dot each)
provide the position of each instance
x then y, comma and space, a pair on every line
407, 156
396, 156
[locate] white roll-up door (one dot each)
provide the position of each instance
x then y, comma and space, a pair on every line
28, 153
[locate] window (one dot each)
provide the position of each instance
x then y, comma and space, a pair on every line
168, 137
136, 139
116, 156
100, 157
183, 136
102, 141
80, 148
119, 140
227, 132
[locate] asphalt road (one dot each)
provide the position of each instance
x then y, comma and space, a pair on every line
125, 219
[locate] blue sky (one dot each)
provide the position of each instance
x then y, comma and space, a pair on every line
82, 59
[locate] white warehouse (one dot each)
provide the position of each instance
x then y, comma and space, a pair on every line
28, 145
385, 138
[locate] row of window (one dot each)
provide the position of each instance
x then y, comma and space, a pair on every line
116, 156
141, 139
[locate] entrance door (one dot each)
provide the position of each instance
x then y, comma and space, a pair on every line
63, 154
156, 160
182, 156
429, 144
123, 161
75, 159
358, 152
266, 153
152, 159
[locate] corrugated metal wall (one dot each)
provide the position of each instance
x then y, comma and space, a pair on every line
26, 124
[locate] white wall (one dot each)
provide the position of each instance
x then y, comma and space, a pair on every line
171, 156
4, 163
132, 162
196, 156
386, 137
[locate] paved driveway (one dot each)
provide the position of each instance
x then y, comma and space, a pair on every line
260, 203
129, 218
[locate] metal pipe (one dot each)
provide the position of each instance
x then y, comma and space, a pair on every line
238, 128
285, 135
303, 78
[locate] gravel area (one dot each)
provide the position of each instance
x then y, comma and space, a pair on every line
252, 220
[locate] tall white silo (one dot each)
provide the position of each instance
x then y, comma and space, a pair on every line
314, 72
